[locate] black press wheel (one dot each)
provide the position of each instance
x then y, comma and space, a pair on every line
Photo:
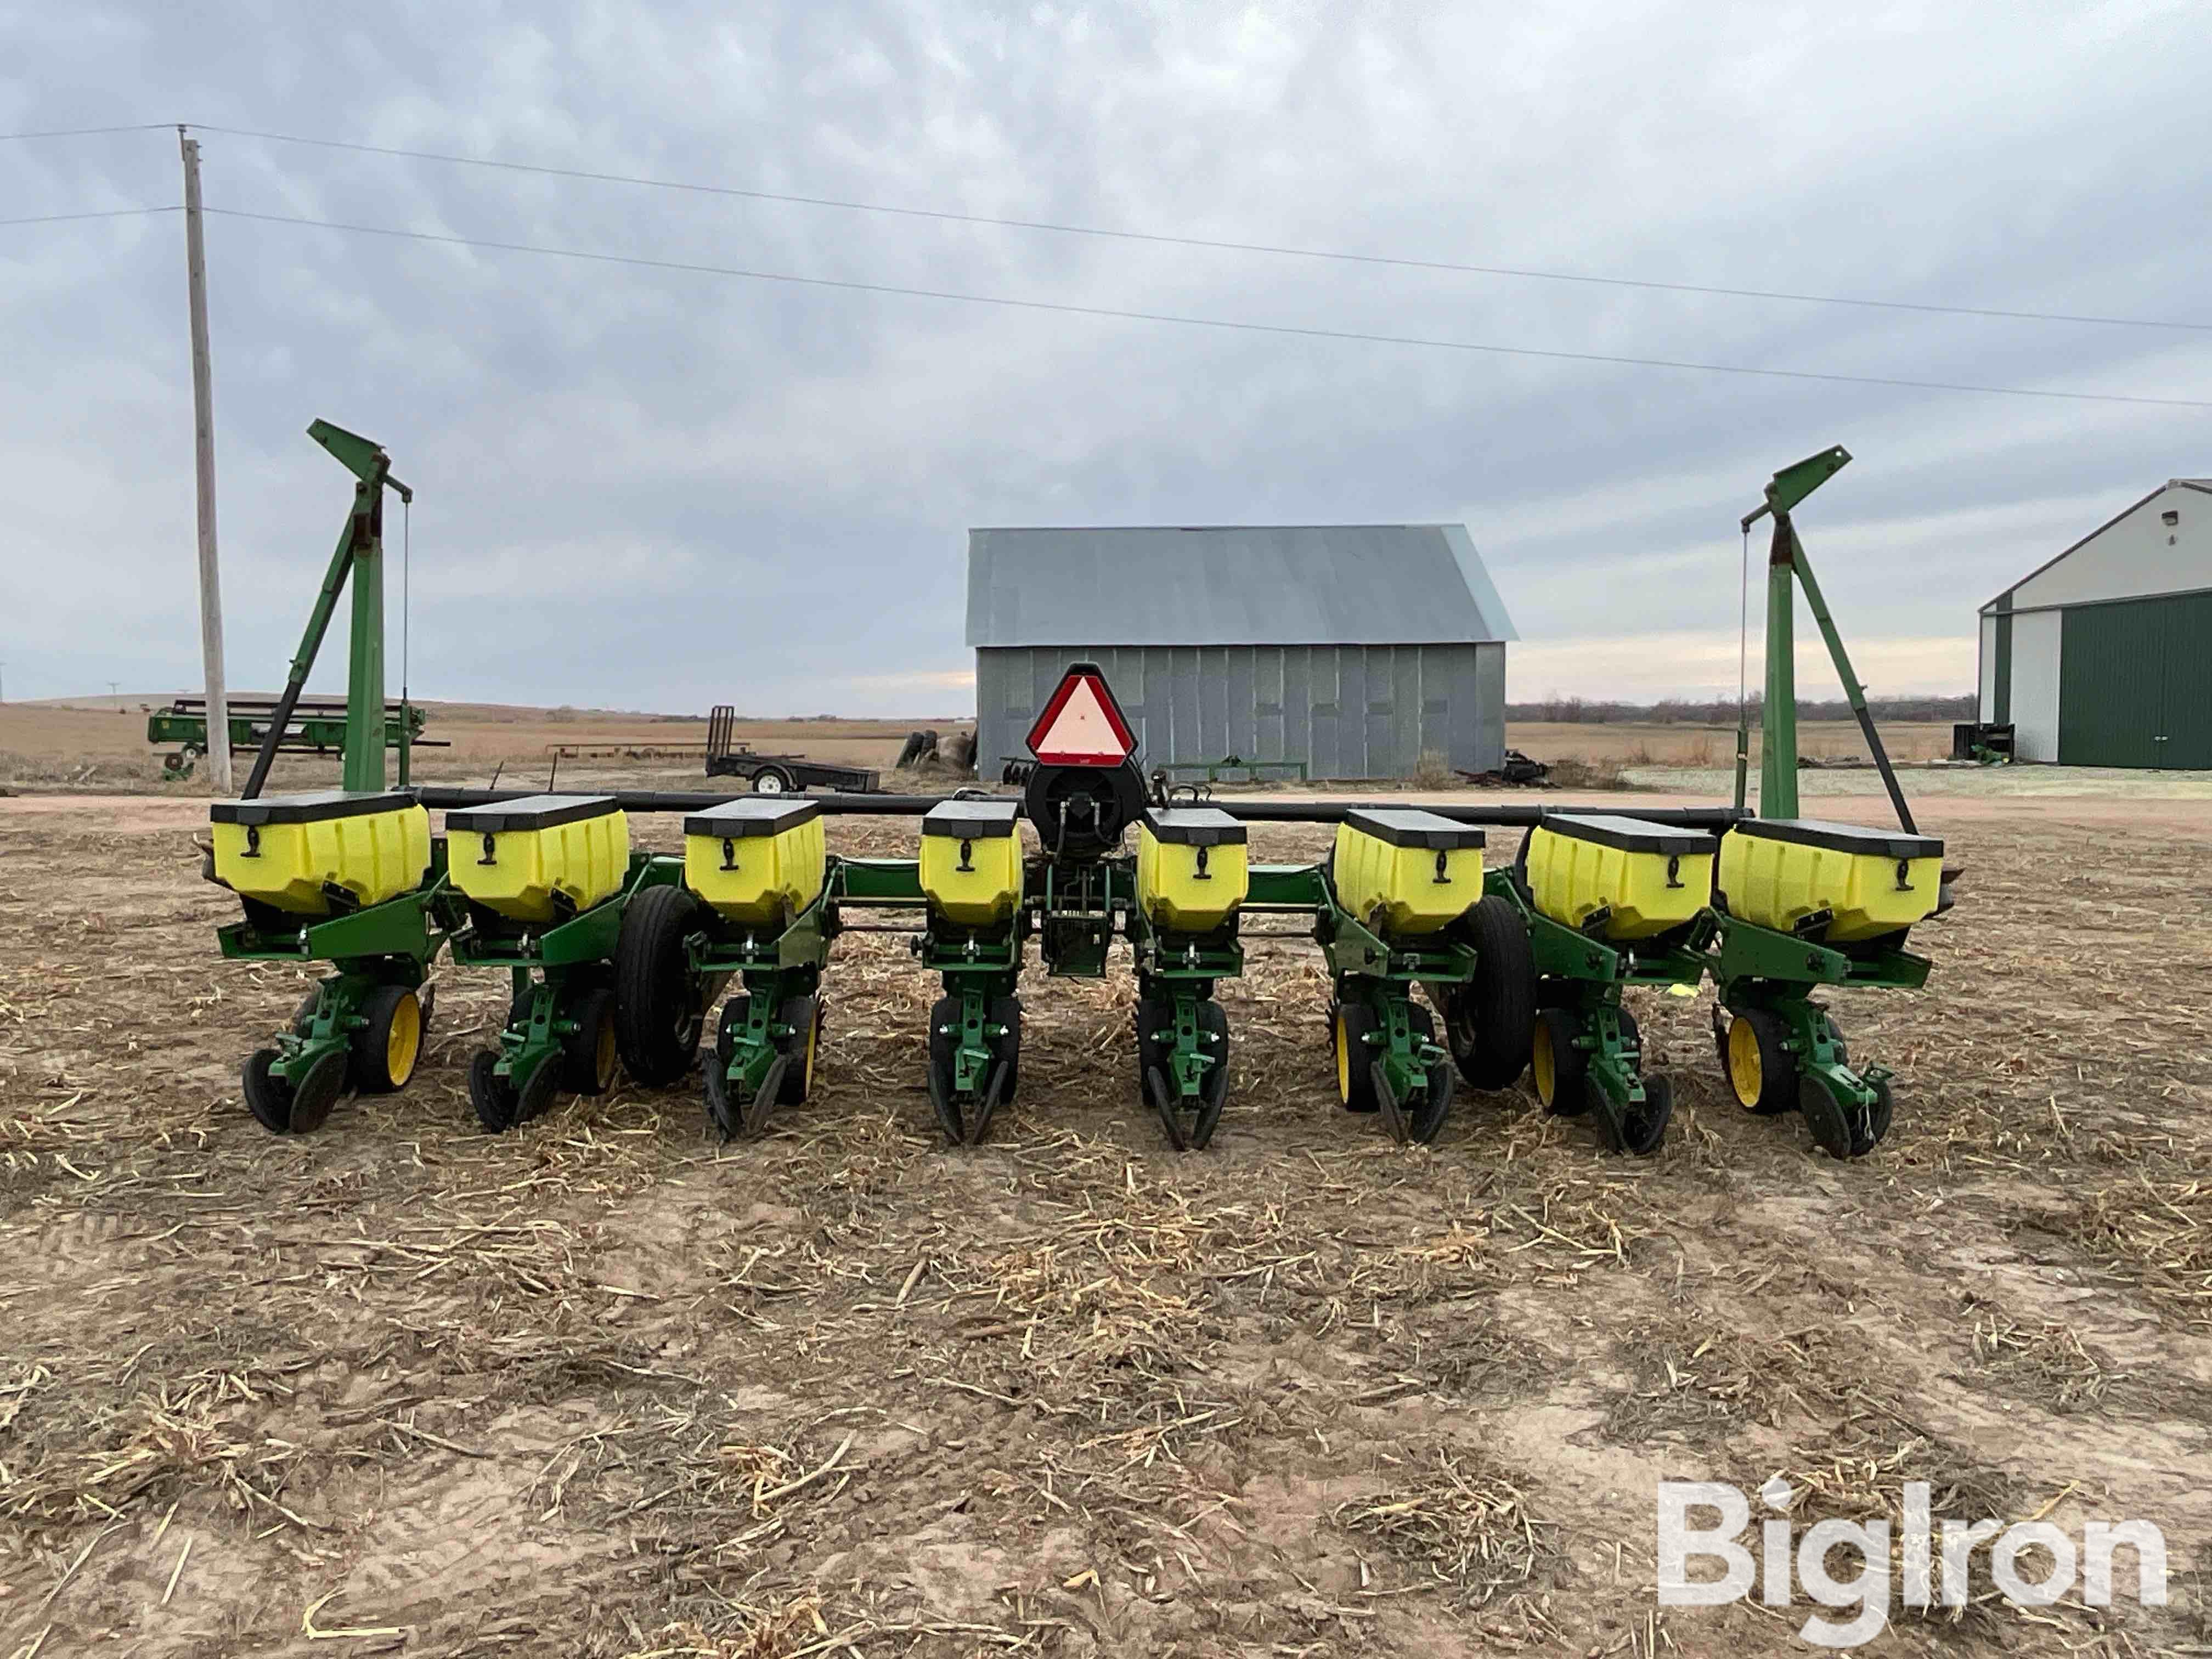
490, 1094
1829, 1119
1350, 1024
1427, 1119
1762, 1073
803, 1015
268, 1098
1881, 1114
1005, 1013
944, 1048
659, 1003
1489, 1019
1642, 1128
589, 1055
1213, 1032
313, 1095
386, 1047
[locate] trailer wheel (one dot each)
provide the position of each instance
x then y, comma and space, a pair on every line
773, 780
659, 1003
1490, 1020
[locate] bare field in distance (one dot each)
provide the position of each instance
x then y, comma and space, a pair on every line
42, 743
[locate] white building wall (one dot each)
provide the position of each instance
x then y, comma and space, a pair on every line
2035, 644
2138, 556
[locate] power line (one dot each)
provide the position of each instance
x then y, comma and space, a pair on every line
86, 132
1066, 308
107, 213
1284, 251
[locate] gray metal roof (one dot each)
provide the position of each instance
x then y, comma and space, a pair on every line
1387, 584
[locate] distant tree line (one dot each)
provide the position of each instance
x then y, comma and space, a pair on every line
1720, 711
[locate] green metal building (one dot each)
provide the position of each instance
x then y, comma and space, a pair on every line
2103, 656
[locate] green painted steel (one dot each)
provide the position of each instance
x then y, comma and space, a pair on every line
1777, 758
2000, 654
2112, 682
2187, 703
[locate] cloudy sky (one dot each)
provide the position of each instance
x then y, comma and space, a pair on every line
648, 488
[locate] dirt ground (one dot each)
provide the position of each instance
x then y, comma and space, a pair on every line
601, 1387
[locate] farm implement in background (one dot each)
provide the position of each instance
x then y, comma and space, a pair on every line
1442, 968
316, 726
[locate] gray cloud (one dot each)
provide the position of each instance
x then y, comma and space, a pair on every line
654, 489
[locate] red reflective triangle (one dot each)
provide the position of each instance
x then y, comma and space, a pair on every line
1082, 725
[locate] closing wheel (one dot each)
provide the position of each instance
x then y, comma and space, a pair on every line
1560, 1068
589, 1054
1007, 1013
1762, 1073
1642, 1128
1349, 1026
944, 1045
1427, 1118
659, 1003
385, 1049
535, 1093
268, 1098
317, 1091
725, 1114
490, 1094
803, 1015
1829, 1119
1213, 1032
1881, 1114
1489, 1020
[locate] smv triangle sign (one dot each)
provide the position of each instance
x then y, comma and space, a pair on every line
1082, 725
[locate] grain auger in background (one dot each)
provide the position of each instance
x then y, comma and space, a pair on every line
1801, 903
349, 877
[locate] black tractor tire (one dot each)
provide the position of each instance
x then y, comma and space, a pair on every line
659, 1003
1490, 1019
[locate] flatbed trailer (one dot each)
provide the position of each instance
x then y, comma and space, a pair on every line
777, 775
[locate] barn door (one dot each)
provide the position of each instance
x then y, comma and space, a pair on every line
2112, 684
2184, 730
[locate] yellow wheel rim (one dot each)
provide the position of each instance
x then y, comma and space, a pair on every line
603, 1053
1747, 1076
1343, 1047
1542, 1062
402, 1040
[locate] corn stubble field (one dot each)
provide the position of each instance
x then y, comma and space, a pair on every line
600, 1386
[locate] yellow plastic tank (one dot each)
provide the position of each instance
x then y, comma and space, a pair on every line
1836, 883
541, 858
317, 855
1405, 872
1191, 868
1618, 878
755, 859
972, 860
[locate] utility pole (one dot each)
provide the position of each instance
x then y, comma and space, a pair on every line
218, 701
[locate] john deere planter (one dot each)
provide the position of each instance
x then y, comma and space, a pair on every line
1440, 969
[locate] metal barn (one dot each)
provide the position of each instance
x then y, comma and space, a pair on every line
1354, 649
2103, 656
